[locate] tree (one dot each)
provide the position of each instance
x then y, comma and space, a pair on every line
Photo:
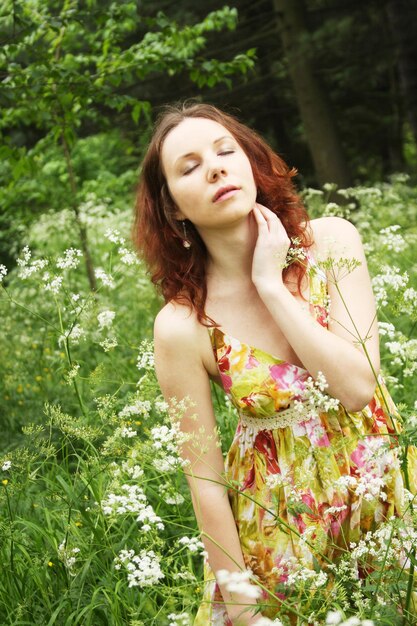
315, 109
68, 67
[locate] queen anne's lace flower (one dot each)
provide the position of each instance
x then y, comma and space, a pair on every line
239, 582
105, 319
143, 569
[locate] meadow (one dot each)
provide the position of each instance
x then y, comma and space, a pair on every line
96, 523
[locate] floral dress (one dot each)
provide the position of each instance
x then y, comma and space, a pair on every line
305, 487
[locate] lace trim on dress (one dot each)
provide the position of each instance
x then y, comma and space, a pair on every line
287, 417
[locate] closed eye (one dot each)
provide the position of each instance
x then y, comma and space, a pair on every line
223, 152
189, 170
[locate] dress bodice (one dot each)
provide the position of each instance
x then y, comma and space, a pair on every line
258, 383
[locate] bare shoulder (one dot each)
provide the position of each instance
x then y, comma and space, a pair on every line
176, 323
179, 335
335, 236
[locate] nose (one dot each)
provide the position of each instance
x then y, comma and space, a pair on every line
216, 170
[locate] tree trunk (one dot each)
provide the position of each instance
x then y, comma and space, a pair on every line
315, 110
89, 266
403, 21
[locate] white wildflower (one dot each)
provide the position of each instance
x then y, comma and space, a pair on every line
128, 257
27, 271
138, 407
105, 319
192, 543
109, 343
114, 236
409, 304
179, 619
143, 570
3, 272
70, 260
133, 471
128, 432
132, 499
239, 582
386, 329
276, 481
76, 333
6, 466
405, 354
170, 496
161, 406
389, 277
68, 557
334, 617
146, 356
106, 279
52, 284
314, 400
72, 373
391, 239
26, 255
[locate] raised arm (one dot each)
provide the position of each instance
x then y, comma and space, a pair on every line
349, 368
181, 374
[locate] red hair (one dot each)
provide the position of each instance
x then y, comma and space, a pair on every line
178, 272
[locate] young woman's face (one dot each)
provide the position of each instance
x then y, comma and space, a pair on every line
208, 174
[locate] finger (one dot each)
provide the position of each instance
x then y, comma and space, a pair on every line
260, 219
269, 215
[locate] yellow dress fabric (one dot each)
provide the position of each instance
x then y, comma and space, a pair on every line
303, 493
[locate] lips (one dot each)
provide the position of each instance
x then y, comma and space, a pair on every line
223, 191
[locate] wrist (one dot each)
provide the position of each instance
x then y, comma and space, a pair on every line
271, 289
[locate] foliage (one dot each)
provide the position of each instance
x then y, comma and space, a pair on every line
89, 467
70, 69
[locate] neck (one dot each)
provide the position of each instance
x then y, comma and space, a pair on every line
230, 252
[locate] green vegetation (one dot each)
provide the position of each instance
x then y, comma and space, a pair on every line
87, 435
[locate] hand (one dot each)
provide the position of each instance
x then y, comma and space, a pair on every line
270, 250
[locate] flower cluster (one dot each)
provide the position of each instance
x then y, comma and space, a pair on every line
68, 557
390, 543
179, 619
405, 354
105, 319
166, 441
127, 257
239, 582
391, 239
143, 569
192, 543
138, 407
389, 277
315, 400
106, 279
336, 618
132, 499
3, 272
70, 260
146, 358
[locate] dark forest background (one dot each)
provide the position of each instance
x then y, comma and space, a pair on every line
331, 84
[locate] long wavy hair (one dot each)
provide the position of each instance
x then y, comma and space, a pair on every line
178, 272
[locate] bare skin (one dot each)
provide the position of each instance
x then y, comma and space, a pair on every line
248, 297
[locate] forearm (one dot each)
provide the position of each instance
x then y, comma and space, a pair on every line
320, 350
221, 541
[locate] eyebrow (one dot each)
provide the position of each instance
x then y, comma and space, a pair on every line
185, 156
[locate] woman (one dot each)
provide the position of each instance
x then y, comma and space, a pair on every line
247, 306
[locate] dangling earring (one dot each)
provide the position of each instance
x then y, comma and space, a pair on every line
185, 241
